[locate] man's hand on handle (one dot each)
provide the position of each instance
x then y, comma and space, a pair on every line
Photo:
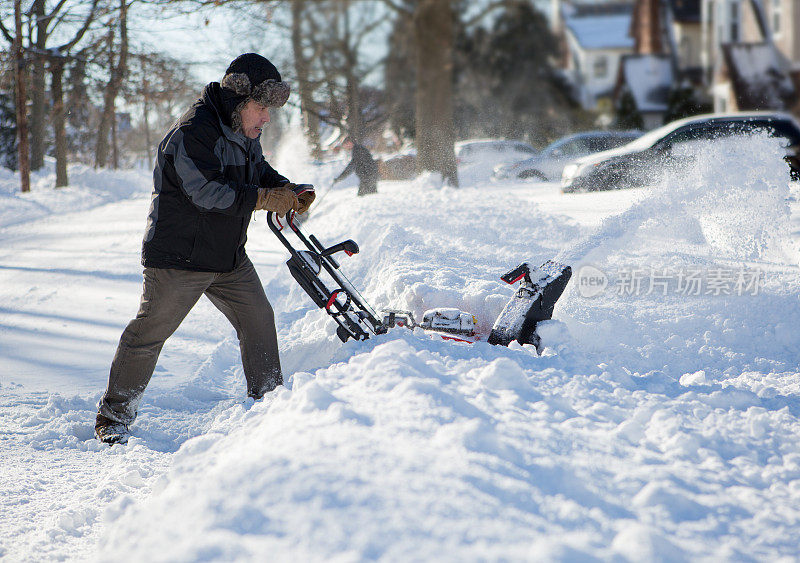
289, 196
280, 200
305, 200
305, 196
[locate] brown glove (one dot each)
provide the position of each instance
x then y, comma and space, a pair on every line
305, 200
279, 200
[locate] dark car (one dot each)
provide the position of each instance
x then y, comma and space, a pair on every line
548, 164
644, 160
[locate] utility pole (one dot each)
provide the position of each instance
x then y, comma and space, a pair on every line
21, 102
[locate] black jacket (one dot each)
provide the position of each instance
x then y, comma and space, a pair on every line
205, 187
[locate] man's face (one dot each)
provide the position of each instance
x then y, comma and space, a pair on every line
254, 117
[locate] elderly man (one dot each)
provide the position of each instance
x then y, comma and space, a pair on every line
210, 176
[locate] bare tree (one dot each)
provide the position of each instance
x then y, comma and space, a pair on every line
433, 40
117, 67
433, 44
158, 84
331, 67
70, 19
21, 101
433, 31
302, 67
58, 58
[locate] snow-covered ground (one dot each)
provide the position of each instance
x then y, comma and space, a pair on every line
660, 424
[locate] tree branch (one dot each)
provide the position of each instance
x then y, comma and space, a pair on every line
485, 11
391, 4
79, 35
6, 33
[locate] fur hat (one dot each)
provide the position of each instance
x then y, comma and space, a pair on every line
253, 76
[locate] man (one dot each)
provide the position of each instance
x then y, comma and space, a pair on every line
363, 165
210, 176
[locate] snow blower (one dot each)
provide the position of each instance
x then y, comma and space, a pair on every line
533, 302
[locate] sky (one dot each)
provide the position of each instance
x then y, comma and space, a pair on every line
210, 39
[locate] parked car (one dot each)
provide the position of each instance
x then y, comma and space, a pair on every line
492, 151
549, 164
644, 160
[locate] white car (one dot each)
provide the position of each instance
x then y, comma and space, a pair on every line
491, 151
548, 164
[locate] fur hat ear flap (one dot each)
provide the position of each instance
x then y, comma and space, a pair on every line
271, 93
238, 82
254, 76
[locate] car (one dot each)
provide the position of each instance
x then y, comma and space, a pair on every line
548, 164
491, 151
646, 159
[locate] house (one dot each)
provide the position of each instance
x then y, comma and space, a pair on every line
667, 57
594, 38
751, 54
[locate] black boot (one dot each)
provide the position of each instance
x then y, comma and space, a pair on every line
110, 431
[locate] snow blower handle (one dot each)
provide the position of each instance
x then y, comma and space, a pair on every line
356, 319
349, 247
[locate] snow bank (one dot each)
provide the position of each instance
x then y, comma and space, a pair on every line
88, 188
661, 422
661, 426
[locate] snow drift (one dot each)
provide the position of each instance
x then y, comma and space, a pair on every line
659, 424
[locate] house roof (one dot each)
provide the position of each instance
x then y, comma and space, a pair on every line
602, 31
759, 80
649, 79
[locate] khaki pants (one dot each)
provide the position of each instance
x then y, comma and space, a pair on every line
167, 298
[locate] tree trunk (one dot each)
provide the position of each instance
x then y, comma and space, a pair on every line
355, 121
304, 90
146, 119
21, 102
114, 144
38, 99
117, 74
59, 119
435, 128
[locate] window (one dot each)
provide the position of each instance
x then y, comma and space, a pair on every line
573, 147
776, 16
601, 67
733, 22
687, 53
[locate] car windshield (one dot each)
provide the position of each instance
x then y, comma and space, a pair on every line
587, 143
649, 139
566, 147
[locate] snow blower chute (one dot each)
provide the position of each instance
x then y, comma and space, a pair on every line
533, 301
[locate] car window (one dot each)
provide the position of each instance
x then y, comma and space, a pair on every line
686, 134
605, 142
522, 147
573, 147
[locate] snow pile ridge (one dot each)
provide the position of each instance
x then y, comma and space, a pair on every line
323, 468
88, 188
